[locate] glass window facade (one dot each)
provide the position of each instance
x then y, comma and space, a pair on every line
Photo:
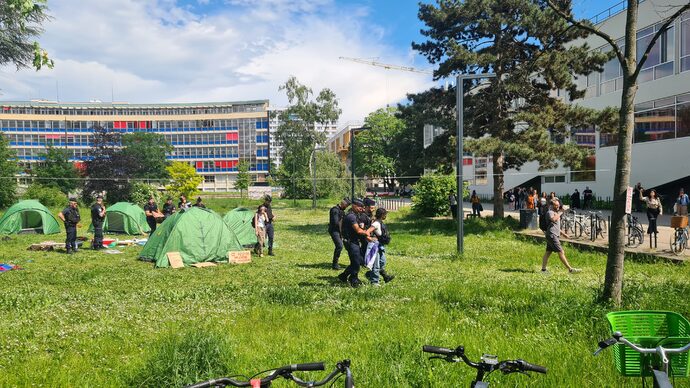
685, 42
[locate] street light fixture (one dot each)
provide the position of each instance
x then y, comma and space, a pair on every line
459, 96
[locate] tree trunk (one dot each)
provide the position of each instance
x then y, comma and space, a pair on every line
613, 282
498, 184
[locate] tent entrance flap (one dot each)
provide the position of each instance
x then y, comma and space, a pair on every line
116, 222
31, 220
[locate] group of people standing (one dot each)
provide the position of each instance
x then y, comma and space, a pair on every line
364, 235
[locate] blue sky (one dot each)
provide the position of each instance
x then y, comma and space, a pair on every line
229, 50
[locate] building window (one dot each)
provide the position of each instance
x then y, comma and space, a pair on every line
209, 178
554, 179
683, 116
685, 42
659, 63
587, 173
655, 120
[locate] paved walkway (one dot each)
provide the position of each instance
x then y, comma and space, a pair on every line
663, 240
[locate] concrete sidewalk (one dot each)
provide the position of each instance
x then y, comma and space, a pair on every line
663, 249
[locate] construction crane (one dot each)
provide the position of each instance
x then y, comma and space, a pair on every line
387, 66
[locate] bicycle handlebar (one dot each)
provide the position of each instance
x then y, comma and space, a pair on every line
618, 338
284, 371
507, 366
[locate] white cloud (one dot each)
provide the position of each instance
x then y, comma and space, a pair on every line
163, 51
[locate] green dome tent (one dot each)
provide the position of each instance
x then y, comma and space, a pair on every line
199, 235
125, 218
239, 221
29, 216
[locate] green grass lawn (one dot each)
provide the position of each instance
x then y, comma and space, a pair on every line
110, 320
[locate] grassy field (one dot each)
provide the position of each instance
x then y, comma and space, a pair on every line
110, 320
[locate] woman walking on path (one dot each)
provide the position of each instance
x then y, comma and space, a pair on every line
654, 209
553, 243
260, 221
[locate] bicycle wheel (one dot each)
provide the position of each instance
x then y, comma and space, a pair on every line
577, 229
636, 238
678, 241
602, 228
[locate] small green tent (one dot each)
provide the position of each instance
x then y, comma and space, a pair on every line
28, 216
239, 221
125, 218
199, 235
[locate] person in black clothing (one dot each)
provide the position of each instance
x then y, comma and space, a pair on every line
168, 208
97, 218
269, 225
575, 200
587, 196
637, 197
150, 209
335, 228
351, 234
71, 217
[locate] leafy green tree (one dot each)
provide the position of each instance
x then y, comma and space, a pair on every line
108, 170
243, 180
333, 177
20, 24
183, 179
50, 196
299, 136
8, 169
631, 63
147, 154
375, 151
140, 193
436, 107
512, 117
57, 171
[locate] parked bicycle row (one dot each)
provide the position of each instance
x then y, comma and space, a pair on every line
656, 346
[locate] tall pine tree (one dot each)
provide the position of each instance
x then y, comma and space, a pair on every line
525, 46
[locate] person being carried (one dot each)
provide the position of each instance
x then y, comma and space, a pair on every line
260, 222
351, 234
335, 229
97, 219
71, 217
552, 234
382, 238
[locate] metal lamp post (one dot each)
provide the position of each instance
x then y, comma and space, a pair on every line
459, 96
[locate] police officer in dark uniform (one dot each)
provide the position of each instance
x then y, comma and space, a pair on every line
365, 218
351, 235
150, 208
71, 217
97, 218
335, 228
269, 225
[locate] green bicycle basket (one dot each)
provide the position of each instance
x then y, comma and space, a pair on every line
650, 329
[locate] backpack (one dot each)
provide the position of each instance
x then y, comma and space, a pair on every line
543, 221
385, 237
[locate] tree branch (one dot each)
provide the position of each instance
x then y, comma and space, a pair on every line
656, 37
591, 29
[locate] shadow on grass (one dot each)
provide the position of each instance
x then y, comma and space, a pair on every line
315, 266
516, 270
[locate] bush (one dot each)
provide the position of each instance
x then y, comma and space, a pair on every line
49, 196
140, 193
431, 194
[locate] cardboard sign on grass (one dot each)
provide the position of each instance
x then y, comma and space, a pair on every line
241, 257
175, 260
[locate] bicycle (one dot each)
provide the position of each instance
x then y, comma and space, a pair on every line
635, 232
487, 364
679, 238
662, 349
342, 368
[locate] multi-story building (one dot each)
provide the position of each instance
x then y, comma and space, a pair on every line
212, 137
662, 113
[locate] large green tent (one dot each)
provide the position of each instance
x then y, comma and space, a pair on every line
28, 216
198, 234
125, 218
239, 220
